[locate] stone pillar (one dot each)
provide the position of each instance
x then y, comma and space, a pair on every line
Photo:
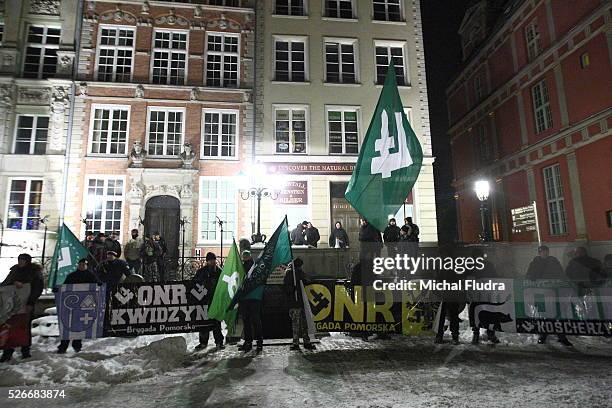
59, 110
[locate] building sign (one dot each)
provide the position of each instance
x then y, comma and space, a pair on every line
523, 219
311, 168
293, 193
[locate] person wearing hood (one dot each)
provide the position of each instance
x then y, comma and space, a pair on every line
297, 236
25, 272
311, 235
208, 275
338, 238
391, 237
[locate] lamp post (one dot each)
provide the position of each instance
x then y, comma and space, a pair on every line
257, 191
483, 189
43, 221
182, 222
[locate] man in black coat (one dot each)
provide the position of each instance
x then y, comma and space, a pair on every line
312, 235
113, 270
391, 236
161, 260
81, 275
98, 248
370, 241
294, 278
111, 243
338, 238
297, 235
208, 276
25, 272
585, 272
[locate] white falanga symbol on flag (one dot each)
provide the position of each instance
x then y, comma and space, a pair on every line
387, 161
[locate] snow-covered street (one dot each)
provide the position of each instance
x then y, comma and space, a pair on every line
344, 372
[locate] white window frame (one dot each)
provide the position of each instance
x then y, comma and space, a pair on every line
223, 54
542, 114
353, 10
236, 156
482, 141
32, 133
26, 203
43, 46
291, 39
291, 108
165, 109
116, 48
216, 201
304, 6
86, 201
1, 32
342, 41
533, 42
393, 44
343, 108
402, 13
170, 51
552, 178
91, 125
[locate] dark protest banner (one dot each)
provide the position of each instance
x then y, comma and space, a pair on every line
14, 318
80, 309
544, 307
148, 308
336, 308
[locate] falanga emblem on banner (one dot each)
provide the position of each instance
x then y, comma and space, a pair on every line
389, 162
68, 251
81, 308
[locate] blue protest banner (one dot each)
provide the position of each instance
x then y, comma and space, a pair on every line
80, 310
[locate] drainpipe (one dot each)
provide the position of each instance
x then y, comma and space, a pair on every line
254, 99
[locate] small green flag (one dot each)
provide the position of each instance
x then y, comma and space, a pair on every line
276, 252
229, 282
389, 162
68, 251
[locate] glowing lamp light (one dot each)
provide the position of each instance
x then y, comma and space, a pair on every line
482, 189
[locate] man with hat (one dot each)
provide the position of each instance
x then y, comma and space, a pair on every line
113, 270
88, 241
25, 272
81, 275
208, 275
111, 243
98, 247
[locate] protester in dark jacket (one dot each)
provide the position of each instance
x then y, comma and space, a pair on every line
453, 301
25, 272
247, 260
161, 259
98, 248
208, 275
391, 236
88, 241
338, 238
585, 272
111, 243
297, 235
81, 275
150, 253
293, 281
370, 241
113, 270
312, 235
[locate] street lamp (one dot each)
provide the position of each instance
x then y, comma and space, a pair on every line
483, 189
43, 221
252, 186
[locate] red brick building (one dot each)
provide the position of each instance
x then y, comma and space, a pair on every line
531, 111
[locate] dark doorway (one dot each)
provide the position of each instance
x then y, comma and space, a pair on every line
162, 215
342, 211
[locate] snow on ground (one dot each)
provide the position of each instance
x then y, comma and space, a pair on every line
345, 371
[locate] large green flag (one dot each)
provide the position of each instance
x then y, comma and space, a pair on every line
68, 251
276, 252
229, 282
389, 162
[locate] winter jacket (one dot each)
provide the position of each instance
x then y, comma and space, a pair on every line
312, 236
31, 274
132, 249
247, 265
208, 276
392, 233
98, 250
150, 252
292, 287
370, 242
585, 271
112, 272
340, 235
368, 233
297, 236
113, 245
77, 276
413, 232
545, 268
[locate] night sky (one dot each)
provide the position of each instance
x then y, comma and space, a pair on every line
441, 20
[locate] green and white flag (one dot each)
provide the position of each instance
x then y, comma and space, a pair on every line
68, 251
229, 282
389, 162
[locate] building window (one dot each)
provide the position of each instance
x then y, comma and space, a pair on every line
220, 135
541, 107
343, 130
290, 128
532, 38
169, 57
387, 10
222, 56
340, 62
339, 9
478, 87
290, 7
290, 59
1, 33
104, 204
115, 54
554, 200
384, 52
165, 131
217, 199
483, 145
31, 135
226, 3
585, 60
109, 130
23, 211
41, 52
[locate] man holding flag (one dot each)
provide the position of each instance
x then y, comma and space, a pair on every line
68, 251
